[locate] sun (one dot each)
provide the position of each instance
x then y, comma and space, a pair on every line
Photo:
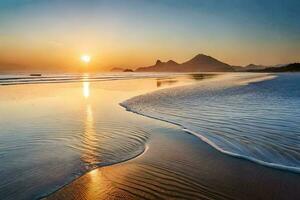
85, 58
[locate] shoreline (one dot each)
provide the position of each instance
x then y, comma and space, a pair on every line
213, 145
200, 166
136, 160
77, 135
268, 76
97, 167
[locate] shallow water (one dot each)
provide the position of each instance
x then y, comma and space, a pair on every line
52, 133
258, 121
20, 79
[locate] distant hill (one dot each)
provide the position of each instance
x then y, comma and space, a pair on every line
294, 67
254, 67
200, 63
249, 67
160, 67
127, 70
117, 69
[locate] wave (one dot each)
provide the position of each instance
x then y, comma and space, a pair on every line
70, 78
249, 116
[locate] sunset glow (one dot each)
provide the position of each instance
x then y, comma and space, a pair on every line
121, 33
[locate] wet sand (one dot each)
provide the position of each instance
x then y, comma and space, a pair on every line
178, 165
52, 134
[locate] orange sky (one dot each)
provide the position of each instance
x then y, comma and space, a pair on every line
53, 35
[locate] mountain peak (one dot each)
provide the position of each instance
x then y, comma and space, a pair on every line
202, 57
172, 62
158, 62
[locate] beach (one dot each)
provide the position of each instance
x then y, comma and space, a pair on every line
95, 137
178, 165
148, 99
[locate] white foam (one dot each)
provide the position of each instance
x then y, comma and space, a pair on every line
267, 144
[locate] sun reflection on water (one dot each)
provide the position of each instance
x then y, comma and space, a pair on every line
86, 89
89, 139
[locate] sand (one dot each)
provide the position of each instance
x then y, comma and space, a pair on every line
177, 165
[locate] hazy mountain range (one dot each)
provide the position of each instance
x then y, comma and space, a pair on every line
293, 67
205, 63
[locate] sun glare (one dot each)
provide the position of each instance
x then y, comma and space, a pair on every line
86, 89
85, 58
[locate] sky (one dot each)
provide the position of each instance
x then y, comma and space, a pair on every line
53, 34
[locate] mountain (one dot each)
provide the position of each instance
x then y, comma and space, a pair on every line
294, 67
200, 63
249, 67
161, 67
253, 67
127, 70
204, 63
117, 69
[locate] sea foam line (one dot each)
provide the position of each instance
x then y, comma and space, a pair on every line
214, 145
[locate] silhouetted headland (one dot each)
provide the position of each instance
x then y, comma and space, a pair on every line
117, 69
127, 70
249, 67
294, 67
200, 63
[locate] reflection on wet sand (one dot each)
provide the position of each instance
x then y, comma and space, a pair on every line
182, 167
199, 77
91, 130
165, 82
46, 142
182, 79
178, 165
86, 89
90, 141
